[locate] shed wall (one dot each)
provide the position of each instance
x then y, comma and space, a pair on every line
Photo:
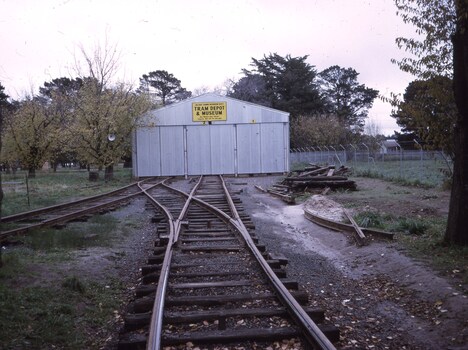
252, 140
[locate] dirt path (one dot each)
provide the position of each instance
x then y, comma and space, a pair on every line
379, 297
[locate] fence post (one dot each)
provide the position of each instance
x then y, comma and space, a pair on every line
421, 159
344, 154
320, 153
354, 153
401, 158
27, 190
328, 153
336, 154
314, 153
368, 154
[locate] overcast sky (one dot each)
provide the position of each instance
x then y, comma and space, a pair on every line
202, 42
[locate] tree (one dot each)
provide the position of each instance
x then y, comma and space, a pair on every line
104, 112
317, 130
104, 121
428, 109
285, 83
59, 94
3, 106
32, 130
345, 97
432, 50
163, 85
251, 88
443, 50
372, 128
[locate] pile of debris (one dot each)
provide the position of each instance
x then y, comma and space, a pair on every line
315, 179
319, 177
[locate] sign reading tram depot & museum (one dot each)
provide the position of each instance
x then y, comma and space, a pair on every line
209, 111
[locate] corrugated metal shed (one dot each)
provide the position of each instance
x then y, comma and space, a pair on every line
251, 139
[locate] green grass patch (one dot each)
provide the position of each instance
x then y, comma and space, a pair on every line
370, 219
422, 239
56, 317
51, 298
426, 173
391, 223
48, 188
451, 260
99, 230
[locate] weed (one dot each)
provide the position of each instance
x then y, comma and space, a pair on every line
74, 284
369, 219
97, 231
411, 226
40, 317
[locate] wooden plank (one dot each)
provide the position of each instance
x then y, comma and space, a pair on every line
207, 274
314, 172
300, 296
234, 335
361, 237
196, 248
139, 320
212, 239
317, 315
286, 198
243, 334
316, 178
206, 234
220, 284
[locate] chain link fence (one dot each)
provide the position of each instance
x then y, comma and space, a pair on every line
403, 162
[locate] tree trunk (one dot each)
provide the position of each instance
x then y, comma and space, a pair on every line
32, 172
109, 173
457, 223
1, 200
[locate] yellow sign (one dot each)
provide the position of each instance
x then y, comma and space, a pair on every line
209, 111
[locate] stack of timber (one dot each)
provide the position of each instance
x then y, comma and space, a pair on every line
311, 179
314, 177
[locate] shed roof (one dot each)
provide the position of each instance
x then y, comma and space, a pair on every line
390, 143
238, 112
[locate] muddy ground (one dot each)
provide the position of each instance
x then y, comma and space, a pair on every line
378, 296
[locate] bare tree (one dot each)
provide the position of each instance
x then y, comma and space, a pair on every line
372, 128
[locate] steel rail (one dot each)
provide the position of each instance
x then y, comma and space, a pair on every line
154, 337
310, 330
341, 226
73, 215
19, 216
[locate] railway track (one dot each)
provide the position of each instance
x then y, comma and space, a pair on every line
209, 283
62, 213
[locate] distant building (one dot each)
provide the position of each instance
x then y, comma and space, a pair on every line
389, 146
211, 134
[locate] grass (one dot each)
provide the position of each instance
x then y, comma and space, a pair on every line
49, 188
391, 223
426, 173
53, 297
64, 316
98, 231
422, 239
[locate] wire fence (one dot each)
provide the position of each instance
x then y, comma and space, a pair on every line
391, 161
